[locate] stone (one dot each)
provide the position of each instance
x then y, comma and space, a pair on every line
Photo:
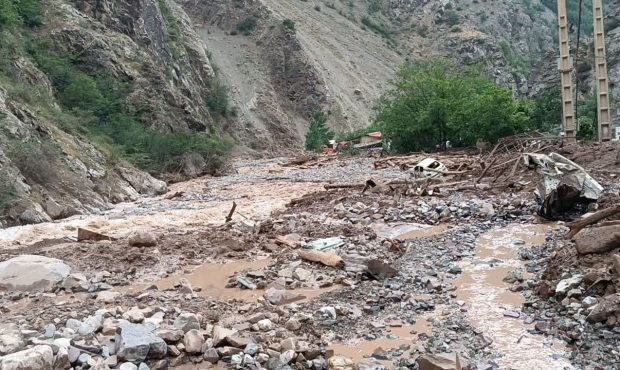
288, 344
228, 351
238, 341
380, 270
170, 335
616, 261
76, 283
265, 325
236, 360
50, 330
262, 358
219, 335
74, 353
61, 362
340, 363
211, 356
127, 366
329, 312
144, 366
11, 339
35, 358
608, 306
566, 284
136, 343
513, 277
160, 365
32, 273
251, 349
281, 296
442, 361
380, 354
107, 296
598, 239
84, 358
588, 302
292, 325
193, 341
134, 315
287, 356
186, 321
302, 274
142, 239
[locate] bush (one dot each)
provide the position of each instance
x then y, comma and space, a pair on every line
172, 27
8, 192
374, 6
21, 13
36, 160
378, 28
319, 135
456, 29
317, 8
218, 102
289, 23
451, 18
433, 101
248, 25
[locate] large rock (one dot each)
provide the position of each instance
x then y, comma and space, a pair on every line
76, 283
142, 181
142, 239
186, 321
193, 341
137, 342
32, 273
442, 361
607, 306
11, 339
35, 358
219, 335
340, 363
598, 239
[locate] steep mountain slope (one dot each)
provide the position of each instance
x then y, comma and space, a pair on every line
91, 72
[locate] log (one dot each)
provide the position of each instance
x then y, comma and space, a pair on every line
576, 227
230, 214
326, 258
486, 169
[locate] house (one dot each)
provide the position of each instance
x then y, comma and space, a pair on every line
369, 140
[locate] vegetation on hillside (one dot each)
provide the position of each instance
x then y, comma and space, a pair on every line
433, 101
319, 134
93, 105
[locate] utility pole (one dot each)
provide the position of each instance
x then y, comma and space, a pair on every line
566, 71
602, 83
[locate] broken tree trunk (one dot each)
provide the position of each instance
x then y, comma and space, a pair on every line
598, 216
230, 214
327, 258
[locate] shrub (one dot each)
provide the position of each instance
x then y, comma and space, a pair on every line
451, 18
248, 25
8, 192
36, 160
378, 28
456, 29
318, 135
289, 23
21, 12
422, 30
374, 6
218, 101
317, 8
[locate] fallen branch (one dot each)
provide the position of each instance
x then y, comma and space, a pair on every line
576, 227
327, 258
486, 169
230, 214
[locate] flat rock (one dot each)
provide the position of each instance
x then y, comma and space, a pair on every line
219, 335
107, 296
32, 273
170, 335
442, 361
567, 284
186, 321
11, 339
607, 306
238, 341
340, 363
35, 358
137, 342
280, 296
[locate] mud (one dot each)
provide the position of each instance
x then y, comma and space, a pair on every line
488, 299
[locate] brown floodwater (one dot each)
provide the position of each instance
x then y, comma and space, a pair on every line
212, 279
487, 297
359, 349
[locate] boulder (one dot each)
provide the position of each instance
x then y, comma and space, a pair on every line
170, 335
441, 361
211, 356
280, 296
219, 335
193, 341
108, 296
340, 363
567, 284
142, 239
32, 273
76, 283
61, 362
35, 358
137, 342
11, 339
186, 321
598, 239
142, 181
607, 306
370, 364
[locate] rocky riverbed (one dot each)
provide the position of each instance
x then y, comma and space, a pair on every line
306, 278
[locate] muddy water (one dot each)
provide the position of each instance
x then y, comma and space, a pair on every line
212, 279
487, 297
359, 349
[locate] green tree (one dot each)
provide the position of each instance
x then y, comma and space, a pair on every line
433, 101
546, 110
318, 135
9, 14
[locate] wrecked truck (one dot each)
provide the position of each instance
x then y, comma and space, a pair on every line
564, 188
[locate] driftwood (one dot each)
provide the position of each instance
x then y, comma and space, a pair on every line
486, 169
576, 227
232, 211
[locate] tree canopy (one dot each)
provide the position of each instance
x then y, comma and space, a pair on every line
434, 101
